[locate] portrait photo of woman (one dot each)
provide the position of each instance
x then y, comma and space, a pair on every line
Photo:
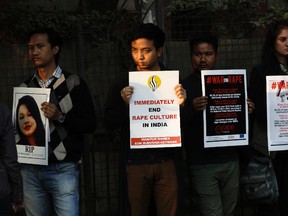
29, 124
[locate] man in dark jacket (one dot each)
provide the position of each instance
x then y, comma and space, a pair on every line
150, 173
11, 187
214, 171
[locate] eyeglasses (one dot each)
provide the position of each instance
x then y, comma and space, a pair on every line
200, 54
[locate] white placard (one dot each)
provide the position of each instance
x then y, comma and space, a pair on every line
31, 126
277, 112
154, 110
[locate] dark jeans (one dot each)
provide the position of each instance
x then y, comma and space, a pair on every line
5, 206
280, 163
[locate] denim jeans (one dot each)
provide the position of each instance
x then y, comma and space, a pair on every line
51, 190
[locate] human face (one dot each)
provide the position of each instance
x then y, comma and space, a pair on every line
26, 121
145, 55
281, 46
203, 57
41, 52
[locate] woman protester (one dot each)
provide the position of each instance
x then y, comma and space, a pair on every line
274, 62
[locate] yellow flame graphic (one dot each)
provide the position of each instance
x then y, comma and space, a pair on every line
154, 82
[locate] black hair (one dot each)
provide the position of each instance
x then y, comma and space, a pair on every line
32, 106
269, 58
203, 37
148, 31
54, 38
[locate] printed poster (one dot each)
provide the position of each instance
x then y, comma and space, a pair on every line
31, 126
277, 112
154, 110
226, 116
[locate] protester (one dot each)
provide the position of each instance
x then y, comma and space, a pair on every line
54, 189
214, 171
149, 175
11, 187
274, 62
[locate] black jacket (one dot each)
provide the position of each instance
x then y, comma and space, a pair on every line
257, 93
10, 175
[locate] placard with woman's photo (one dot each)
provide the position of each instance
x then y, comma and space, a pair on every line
31, 126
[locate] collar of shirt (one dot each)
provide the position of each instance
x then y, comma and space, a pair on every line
284, 68
44, 84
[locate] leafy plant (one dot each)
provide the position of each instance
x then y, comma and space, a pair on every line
186, 5
236, 16
274, 12
230, 17
19, 18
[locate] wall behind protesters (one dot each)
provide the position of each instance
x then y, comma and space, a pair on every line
14, 68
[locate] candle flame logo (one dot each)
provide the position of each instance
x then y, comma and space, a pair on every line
154, 82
